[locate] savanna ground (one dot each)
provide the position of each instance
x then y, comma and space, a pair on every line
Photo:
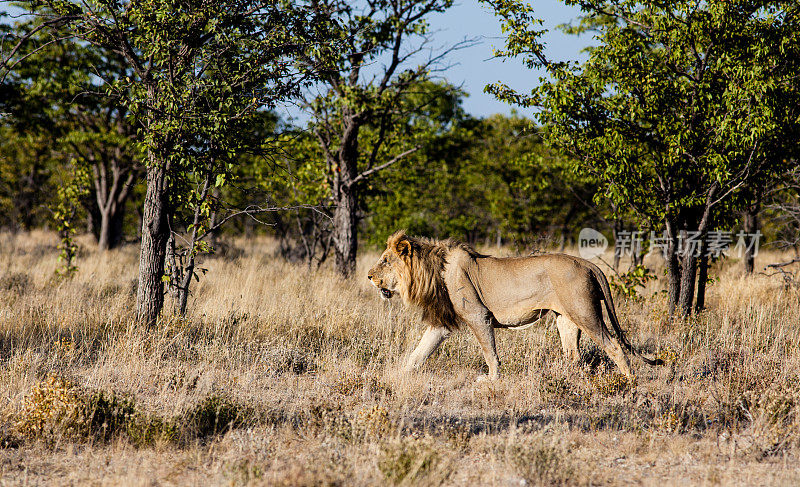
282, 375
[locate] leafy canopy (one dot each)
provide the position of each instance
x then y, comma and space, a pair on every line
680, 104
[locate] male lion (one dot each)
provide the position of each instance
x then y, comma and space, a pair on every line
454, 284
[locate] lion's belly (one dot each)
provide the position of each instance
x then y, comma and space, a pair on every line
516, 291
514, 320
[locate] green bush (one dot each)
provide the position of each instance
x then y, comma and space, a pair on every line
59, 408
627, 284
216, 414
145, 430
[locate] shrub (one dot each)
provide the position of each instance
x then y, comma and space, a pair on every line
17, 283
626, 284
107, 415
216, 414
609, 384
58, 408
540, 464
412, 461
145, 430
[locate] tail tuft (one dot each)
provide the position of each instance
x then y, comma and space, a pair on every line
657, 361
612, 316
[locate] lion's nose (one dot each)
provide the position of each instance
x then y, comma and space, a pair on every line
369, 276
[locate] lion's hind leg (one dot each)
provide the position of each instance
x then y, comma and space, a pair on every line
592, 324
570, 338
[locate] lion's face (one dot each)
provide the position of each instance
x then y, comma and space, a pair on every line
383, 274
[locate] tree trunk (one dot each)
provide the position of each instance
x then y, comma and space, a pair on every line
688, 277
93, 217
637, 258
103, 236
182, 294
690, 256
673, 283
213, 236
155, 234
345, 233
110, 234
117, 221
750, 228
673, 268
113, 180
702, 279
180, 282
345, 217
689, 265
617, 254
183, 264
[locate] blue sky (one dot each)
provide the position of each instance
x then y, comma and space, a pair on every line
473, 68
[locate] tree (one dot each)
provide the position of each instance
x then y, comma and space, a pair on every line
201, 70
475, 179
680, 106
62, 81
355, 92
26, 183
28, 160
304, 231
482, 180
783, 212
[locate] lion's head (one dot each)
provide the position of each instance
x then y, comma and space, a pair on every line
412, 267
394, 262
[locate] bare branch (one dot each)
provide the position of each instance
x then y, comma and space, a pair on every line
8, 68
253, 210
364, 175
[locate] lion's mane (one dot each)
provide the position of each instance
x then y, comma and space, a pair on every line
419, 270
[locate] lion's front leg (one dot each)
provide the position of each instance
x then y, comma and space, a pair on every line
470, 309
484, 332
430, 341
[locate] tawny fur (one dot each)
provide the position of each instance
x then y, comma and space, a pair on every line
493, 293
420, 274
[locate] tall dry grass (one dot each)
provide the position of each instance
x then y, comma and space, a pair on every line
281, 375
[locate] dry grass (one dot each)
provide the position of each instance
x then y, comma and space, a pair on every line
285, 376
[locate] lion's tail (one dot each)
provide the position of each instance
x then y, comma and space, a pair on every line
612, 315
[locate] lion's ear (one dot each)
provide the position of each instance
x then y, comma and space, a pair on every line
403, 247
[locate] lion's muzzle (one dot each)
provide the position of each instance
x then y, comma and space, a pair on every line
382, 291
